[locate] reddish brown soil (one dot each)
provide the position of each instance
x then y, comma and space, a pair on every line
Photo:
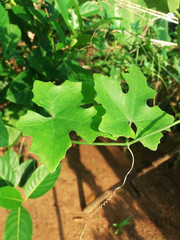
87, 171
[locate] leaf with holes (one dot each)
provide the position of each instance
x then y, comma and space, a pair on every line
10, 197
40, 182
123, 109
18, 225
51, 134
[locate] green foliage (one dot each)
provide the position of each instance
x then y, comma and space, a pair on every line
18, 225
61, 120
40, 182
10, 197
124, 109
173, 5
8, 134
51, 133
20, 90
120, 225
35, 183
46, 49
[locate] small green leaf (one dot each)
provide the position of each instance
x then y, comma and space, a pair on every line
12, 159
6, 172
18, 225
40, 182
10, 197
123, 109
11, 38
120, 225
88, 9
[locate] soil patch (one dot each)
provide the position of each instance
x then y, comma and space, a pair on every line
87, 171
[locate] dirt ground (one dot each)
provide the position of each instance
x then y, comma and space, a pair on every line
87, 171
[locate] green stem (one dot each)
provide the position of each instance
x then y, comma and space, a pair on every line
100, 144
153, 133
78, 14
127, 144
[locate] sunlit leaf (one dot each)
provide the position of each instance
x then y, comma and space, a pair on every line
123, 109
10, 197
40, 182
51, 134
18, 225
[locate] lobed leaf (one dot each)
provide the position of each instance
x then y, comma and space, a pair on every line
51, 134
18, 225
123, 109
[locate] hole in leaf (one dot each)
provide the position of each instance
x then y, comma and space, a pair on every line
124, 86
42, 111
87, 105
133, 126
150, 102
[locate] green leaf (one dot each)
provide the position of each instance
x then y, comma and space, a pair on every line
120, 225
24, 171
4, 22
20, 90
160, 5
6, 171
40, 182
12, 159
10, 40
63, 9
162, 30
123, 109
59, 30
44, 65
51, 134
8, 135
88, 9
75, 2
10, 197
18, 225
173, 5
21, 12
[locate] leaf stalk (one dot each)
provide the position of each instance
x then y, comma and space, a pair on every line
127, 144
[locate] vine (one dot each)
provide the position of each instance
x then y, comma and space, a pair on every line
44, 40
